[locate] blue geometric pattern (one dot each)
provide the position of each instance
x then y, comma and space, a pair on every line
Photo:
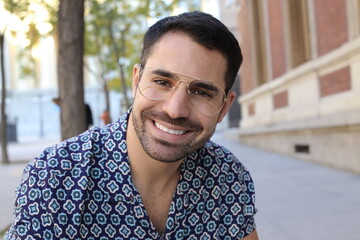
82, 189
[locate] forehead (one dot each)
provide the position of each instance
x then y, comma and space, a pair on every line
177, 52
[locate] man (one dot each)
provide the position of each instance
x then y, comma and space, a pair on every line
153, 174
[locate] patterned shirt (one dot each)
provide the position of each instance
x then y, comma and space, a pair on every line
82, 189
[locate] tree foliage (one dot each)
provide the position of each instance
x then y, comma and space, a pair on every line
39, 18
113, 35
114, 31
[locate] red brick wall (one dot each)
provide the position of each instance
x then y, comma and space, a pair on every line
331, 24
280, 99
277, 40
335, 82
246, 76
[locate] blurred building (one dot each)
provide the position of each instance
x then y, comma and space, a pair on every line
301, 79
229, 10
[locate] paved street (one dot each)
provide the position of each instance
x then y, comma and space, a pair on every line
296, 200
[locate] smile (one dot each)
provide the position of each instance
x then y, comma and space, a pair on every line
174, 132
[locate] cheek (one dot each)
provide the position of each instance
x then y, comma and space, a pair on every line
139, 100
141, 104
137, 105
209, 124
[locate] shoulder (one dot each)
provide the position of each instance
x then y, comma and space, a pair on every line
213, 154
76, 150
220, 168
217, 177
79, 152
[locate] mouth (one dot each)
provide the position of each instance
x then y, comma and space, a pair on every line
170, 131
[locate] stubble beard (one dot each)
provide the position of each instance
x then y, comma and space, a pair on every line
160, 149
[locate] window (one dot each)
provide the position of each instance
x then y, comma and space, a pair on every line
299, 36
259, 42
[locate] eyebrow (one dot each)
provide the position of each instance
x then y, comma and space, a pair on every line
164, 73
207, 86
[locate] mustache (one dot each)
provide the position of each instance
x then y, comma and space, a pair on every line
180, 122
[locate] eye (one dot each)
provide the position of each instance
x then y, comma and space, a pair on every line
163, 83
203, 90
202, 93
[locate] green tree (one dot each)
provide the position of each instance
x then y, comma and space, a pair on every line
26, 12
69, 38
114, 31
113, 35
12, 8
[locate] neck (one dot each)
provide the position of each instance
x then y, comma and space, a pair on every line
146, 170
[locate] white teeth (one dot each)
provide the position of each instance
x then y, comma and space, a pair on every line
175, 132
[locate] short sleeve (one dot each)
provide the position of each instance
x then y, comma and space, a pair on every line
29, 215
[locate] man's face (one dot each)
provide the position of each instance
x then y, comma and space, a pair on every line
171, 128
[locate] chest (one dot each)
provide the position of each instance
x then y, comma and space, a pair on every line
157, 205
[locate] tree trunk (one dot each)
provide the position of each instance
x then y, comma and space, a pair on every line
70, 67
107, 96
4, 153
118, 53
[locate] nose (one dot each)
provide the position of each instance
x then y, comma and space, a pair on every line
177, 104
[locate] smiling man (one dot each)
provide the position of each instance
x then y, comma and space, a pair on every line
153, 174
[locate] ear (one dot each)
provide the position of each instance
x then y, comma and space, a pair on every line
229, 101
135, 78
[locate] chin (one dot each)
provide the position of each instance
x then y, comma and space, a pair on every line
165, 152
168, 152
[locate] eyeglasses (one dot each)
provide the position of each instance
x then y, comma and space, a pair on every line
157, 84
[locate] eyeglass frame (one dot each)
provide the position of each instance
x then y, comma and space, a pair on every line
141, 69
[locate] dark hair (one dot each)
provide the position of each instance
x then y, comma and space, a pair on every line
203, 29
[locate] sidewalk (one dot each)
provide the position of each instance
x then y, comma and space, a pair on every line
296, 200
